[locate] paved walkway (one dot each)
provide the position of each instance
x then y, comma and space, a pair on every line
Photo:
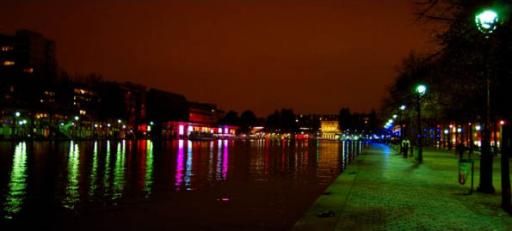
383, 191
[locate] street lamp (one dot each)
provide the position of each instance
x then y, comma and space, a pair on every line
75, 125
487, 21
402, 108
14, 123
421, 90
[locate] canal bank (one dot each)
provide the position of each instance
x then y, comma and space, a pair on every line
381, 190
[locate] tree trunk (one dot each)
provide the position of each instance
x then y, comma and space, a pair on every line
506, 148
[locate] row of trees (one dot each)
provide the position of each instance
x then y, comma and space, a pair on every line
286, 120
459, 72
283, 120
358, 122
456, 72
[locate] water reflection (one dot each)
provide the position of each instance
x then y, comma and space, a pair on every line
107, 170
225, 161
17, 182
188, 166
148, 176
218, 169
222, 160
94, 171
179, 165
119, 170
72, 195
96, 176
211, 163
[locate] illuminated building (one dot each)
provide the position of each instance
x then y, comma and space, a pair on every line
201, 123
202, 113
329, 129
135, 103
27, 67
85, 101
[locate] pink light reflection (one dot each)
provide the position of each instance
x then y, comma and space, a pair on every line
179, 165
225, 161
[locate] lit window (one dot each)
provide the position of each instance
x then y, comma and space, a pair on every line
83, 112
9, 63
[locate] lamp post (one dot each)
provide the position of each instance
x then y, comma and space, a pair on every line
395, 117
487, 21
403, 150
420, 91
402, 109
77, 125
15, 123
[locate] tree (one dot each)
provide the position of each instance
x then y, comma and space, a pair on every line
230, 118
466, 60
247, 120
282, 121
345, 119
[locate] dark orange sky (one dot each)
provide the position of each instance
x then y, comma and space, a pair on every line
310, 55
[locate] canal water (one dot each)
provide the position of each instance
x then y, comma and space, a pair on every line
173, 185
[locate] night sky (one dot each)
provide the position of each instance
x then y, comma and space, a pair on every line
309, 55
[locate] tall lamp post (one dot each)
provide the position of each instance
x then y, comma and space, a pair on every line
402, 109
404, 146
77, 125
487, 22
395, 117
420, 91
15, 123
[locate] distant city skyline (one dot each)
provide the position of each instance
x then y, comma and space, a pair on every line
311, 56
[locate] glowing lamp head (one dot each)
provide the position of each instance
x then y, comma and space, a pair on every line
17, 114
502, 122
77, 118
402, 108
394, 116
421, 89
487, 21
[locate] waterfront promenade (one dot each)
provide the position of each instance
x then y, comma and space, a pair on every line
383, 191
